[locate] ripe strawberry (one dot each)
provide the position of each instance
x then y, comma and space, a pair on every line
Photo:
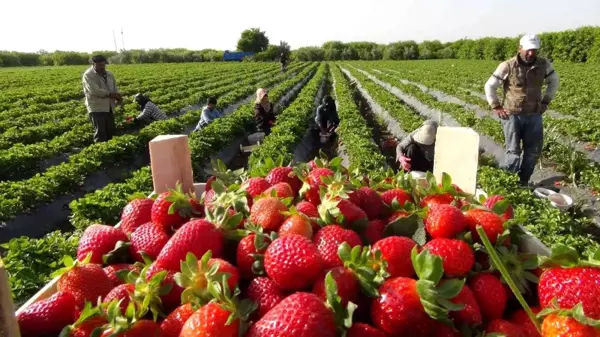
370, 202
209, 182
396, 251
314, 182
493, 200
136, 213
246, 254
296, 224
490, 295
470, 314
87, 327
374, 231
353, 197
347, 283
111, 272
298, 315
310, 211
172, 299
364, 330
521, 318
48, 316
85, 282
282, 190
225, 267
443, 330
445, 221
293, 262
171, 209
563, 326
266, 212
172, 325
256, 186
328, 240
285, 175
123, 292
210, 320
398, 194
141, 328
436, 199
397, 215
150, 239
265, 293
505, 327
99, 240
492, 223
457, 256
197, 237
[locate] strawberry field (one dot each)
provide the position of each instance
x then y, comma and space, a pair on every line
231, 254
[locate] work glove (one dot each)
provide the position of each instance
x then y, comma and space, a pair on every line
404, 163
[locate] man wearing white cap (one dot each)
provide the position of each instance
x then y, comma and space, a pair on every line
415, 152
523, 104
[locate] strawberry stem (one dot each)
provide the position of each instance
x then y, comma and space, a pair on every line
500, 266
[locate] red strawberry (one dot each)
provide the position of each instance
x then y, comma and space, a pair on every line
86, 283
505, 327
566, 326
196, 237
493, 200
293, 262
370, 202
209, 182
490, 295
374, 231
171, 300
457, 256
314, 181
245, 258
443, 330
171, 209
296, 224
436, 199
150, 239
210, 320
136, 213
521, 318
99, 240
265, 293
298, 315
141, 328
396, 251
397, 194
87, 327
353, 197
123, 292
351, 212
111, 272
347, 283
172, 325
282, 190
310, 211
256, 186
328, 240
285, 175
48, 316
226, 268
470, 314
266, 212
364, 330
397, 215
492, 223
445, 221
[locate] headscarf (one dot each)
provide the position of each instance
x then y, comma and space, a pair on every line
426, 133
329, 103
142, 100
260, 93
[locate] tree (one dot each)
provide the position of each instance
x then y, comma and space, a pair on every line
253, 40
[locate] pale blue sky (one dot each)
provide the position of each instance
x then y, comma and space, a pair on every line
87, 25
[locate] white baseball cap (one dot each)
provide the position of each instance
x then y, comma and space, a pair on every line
530, 42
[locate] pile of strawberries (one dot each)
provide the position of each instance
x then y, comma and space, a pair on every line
317, 250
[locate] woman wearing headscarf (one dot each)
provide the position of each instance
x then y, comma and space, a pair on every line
264, 114
149, 111
416, 151
327, 118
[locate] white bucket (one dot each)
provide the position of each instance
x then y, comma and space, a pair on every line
557, 200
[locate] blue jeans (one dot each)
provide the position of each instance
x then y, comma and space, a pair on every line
528, 129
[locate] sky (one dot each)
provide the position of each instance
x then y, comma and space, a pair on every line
86, 26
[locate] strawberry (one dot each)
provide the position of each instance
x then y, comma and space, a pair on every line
313, 184
490, 295
505, 327
210, 320
571, 286
209, 182
370, 201
328, 240
150, 239
47, 317
87, 327
172, 299
285, 175
296, 224
491, 201
396, 252
353, 197
266, 212
281, 190
444, 330
196, 237
172, 325
136, 213
521, 318
111, 272
123, 293
445, 221
347, 283
492, 224
555, 325
256, 186
85, 282
99, 240
265, 293
364, 330
398, 194
436, 199
141, 328
396, 215
457, 256
251, 250
171, 209
470, 314
310, 211
288, 269
298, 315
374, 231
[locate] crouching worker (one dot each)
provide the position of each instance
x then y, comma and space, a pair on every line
149, 111
416, 151
264, 114
327, 118
209, 113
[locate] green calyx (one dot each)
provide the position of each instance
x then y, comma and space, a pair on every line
232, 196
435, 297
119, 322
519, 266
576, 312
147, 293
87, 313
70, 263
343, 314
220, 171
369, 267
180, 202
564, 256
221, 218
261, 243
120, 254
196, 276
240, 310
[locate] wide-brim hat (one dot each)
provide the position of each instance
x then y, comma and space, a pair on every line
426, 133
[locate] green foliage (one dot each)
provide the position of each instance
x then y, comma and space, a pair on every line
253, 40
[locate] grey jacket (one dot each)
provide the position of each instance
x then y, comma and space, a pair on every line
96, 91
428, 150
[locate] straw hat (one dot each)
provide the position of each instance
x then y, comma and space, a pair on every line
426, 133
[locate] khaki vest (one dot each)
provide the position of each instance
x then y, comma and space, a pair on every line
523, 86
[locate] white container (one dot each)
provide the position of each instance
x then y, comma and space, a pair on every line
558, 200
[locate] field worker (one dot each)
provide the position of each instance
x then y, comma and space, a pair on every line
327, 118
209, 113
523, 104
101, 95
149, 111
283, 60
264, 114
416, 151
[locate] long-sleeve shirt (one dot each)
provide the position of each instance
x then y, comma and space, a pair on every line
208, 116
151, 113
501, 75
97, 89
427, 150
324, 115
263, 118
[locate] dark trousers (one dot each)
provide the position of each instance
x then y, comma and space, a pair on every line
104, 125
418, 162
